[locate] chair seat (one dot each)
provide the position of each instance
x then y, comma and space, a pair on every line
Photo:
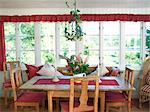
7, 84
65, 105
145, 89
31, 97
115, 97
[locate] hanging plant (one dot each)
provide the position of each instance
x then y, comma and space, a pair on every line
73, 30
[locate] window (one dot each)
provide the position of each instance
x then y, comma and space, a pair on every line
67, 48
47, 42
10, 39
133, 43
147, 39
27, 42
91, 41
110, 35
102, 39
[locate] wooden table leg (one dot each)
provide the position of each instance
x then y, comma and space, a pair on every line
57, 105
129, 101
50, 101
102, 101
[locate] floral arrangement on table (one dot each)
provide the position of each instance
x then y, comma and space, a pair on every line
76, 64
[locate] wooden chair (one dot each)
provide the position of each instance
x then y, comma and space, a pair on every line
21, 98
7, 83
120, 99
144, 87
83, 104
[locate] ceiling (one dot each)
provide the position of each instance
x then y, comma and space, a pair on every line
80, 3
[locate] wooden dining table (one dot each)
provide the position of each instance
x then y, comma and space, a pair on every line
62, 90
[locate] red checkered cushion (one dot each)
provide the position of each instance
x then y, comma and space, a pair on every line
7, 84
146, 89
148, 78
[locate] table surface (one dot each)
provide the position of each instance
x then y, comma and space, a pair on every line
29, 85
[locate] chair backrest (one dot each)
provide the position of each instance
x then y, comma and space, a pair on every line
129, 75
16, 79
146, 69
84, 94
6, 66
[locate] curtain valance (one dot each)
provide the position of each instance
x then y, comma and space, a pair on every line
84, 17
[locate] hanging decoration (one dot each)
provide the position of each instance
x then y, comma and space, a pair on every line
73, 30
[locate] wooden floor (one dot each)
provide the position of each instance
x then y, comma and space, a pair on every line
146, 107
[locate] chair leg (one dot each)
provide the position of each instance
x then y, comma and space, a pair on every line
37, 108
120, 109
140, 103
15, 108
5, 97
129, 107
57, 105
107, 108
43, 105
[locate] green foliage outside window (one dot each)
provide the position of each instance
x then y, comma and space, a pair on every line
27, 33
133, 58
148, 39
65, 51
86, 50
49, 57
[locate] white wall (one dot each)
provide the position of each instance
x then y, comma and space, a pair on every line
36, 11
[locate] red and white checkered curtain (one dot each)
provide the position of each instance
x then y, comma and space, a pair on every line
2, 46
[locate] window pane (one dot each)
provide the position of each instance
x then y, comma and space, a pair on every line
91, 28
28, 57
111, 58
93, 57
91, 42
110, 42
147, 39
67, 48
10, 41
133, 43
47, 56
110, 28
47, 42
27, 36
10, 55
132, 28
132, 57
111, 35
27, 42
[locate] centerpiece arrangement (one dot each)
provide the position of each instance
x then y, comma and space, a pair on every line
75, 64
